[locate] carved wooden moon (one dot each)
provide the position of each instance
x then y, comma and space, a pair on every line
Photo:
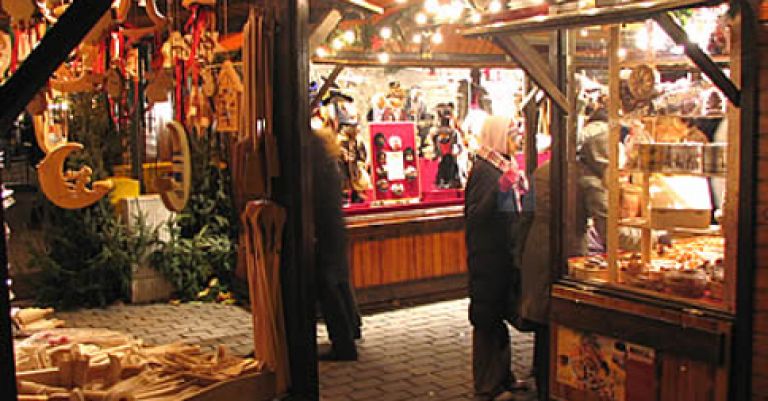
68, 189
175, 187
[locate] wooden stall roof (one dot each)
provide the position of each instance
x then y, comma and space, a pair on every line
580, 18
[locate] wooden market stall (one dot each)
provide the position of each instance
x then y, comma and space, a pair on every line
668, 316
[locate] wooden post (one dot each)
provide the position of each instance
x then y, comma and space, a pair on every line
614, 99
293, 190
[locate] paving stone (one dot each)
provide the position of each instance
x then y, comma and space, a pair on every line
414, 353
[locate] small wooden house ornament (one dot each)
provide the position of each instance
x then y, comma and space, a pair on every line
227, 100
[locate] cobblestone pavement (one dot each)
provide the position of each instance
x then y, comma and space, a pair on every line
417, 353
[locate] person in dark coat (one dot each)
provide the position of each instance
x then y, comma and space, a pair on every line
537, 272
337, 301
491, 208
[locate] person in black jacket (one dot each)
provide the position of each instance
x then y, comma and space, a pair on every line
337, 301
491, 208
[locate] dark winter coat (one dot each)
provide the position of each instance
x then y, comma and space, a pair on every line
490, 240
537, 269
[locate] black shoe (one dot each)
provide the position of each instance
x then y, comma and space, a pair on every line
334, 355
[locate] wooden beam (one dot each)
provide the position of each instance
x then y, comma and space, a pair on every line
365, 5
701, 59
326, 86
530, 61
55, 47
619, 14
324, 28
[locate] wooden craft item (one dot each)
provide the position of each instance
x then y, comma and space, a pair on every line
642, 81
263, 222
175, 188
159, 21
47, 133
69, 189
21, 11
6, 51
175, 47
29, 315
160, 84
199, 113
69, 78
228, 99
208, 85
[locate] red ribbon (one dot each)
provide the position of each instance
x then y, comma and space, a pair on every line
15, 53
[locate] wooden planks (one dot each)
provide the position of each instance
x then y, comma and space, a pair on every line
398, 253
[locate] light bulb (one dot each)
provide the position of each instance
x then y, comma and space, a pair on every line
383, 57
622, 53
349, 36
421, 18
385, 32
321, 52
337, 44
416, 38
476, 18
437, 38
494, 6
584, 33
432, 6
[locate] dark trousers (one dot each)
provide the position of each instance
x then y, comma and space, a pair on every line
491, 360
337, 303
541, 361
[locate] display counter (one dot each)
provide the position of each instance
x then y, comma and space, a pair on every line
407, 253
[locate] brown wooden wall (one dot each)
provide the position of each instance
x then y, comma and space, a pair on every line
760, 322
398, 253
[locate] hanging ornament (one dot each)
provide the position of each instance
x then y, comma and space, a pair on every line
208, 85
227, 100
160, 83
175, 47
159, 21
199, 112
174, 187
69, 190
21, 12
78, 74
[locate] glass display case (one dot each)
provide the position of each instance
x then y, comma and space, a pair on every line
648, 154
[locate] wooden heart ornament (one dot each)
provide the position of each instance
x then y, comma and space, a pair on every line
21, 11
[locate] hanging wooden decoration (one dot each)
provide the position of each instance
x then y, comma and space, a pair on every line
227, 100
208, 84
78, 76
69, 189
199, 114
160, 84
159, 21
6, 52
21, 11
175, 47
174, 187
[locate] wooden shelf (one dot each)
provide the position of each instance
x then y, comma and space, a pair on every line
690, 173
620, 14
680, 62
636, 222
